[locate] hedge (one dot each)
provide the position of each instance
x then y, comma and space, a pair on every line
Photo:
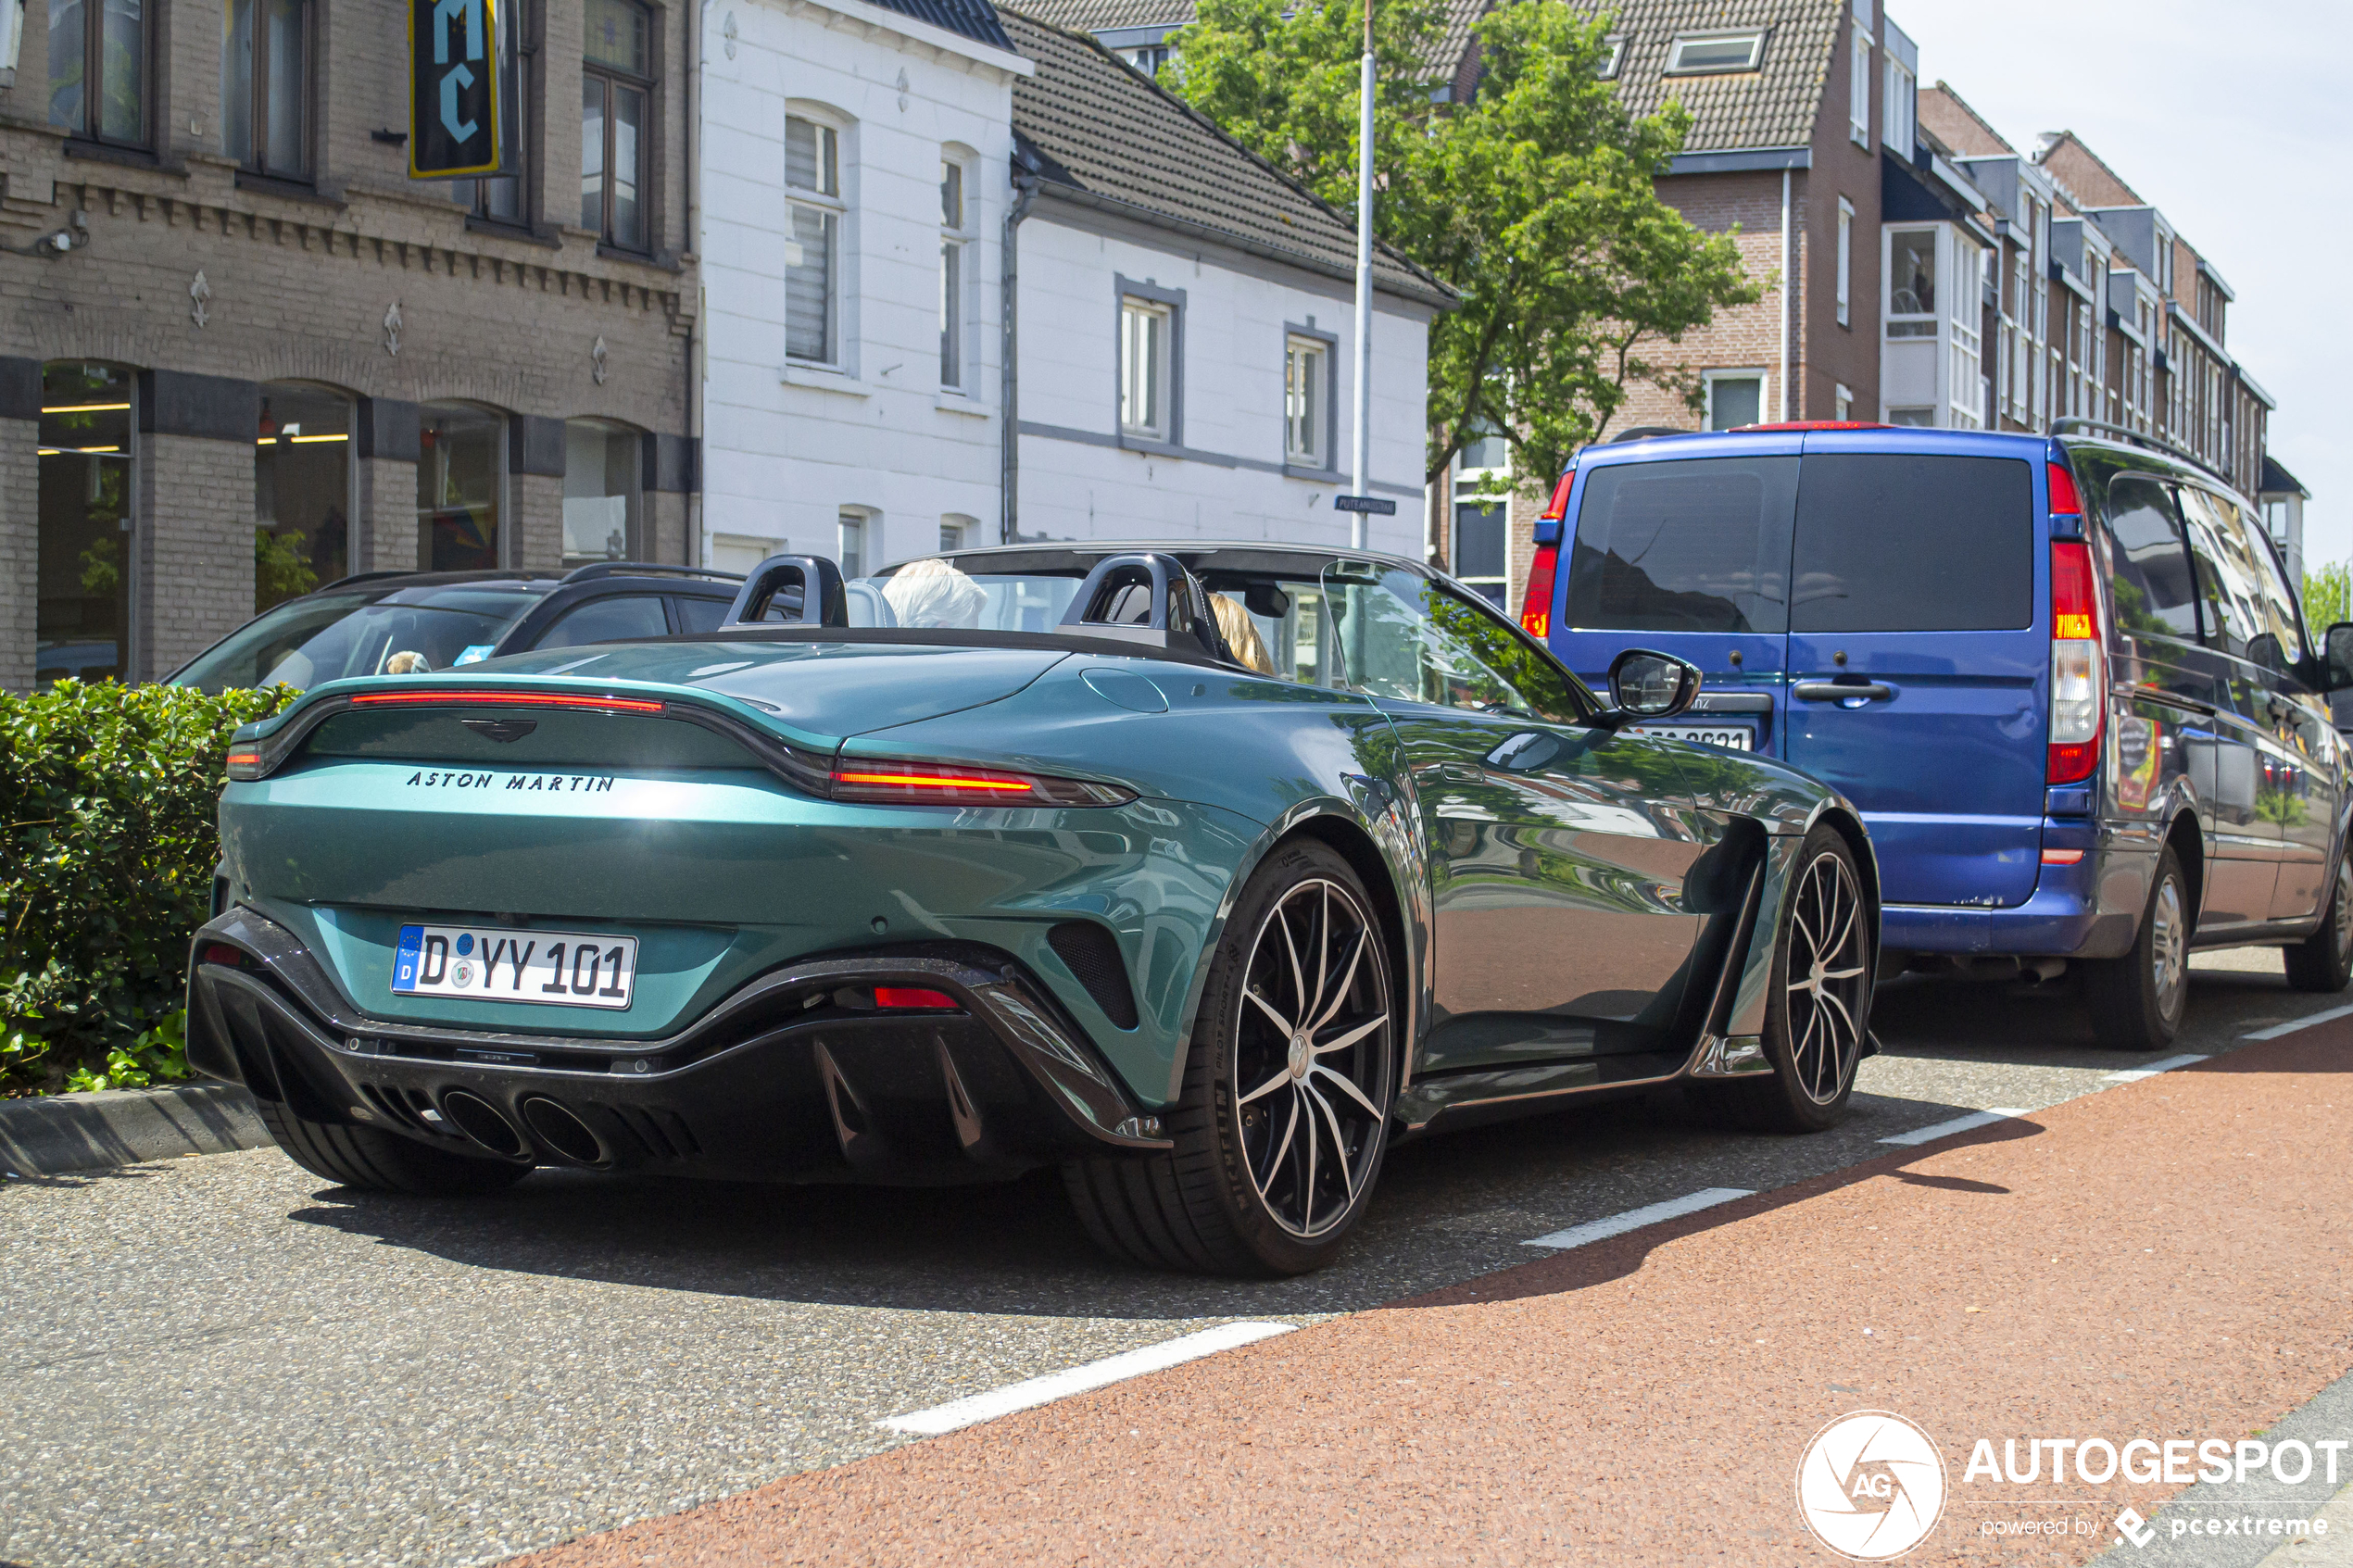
108, 811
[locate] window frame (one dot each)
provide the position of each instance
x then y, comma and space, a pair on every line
474, 193
1168, 437
1759, 374
955, 297
634, 521
1858, 86
614, 79
861, 523
1756, 37
834, 204
1322, 463
1890, 317
91, 130
1845, 263
1902, 89
256, 92
1615, 62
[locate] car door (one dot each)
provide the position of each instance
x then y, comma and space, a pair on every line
2296, 783
1918, 659
1558, 850
2248, 761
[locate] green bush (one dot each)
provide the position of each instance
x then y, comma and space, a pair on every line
107, 805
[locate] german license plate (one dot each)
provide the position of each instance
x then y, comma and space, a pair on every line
489, 963
1731, 737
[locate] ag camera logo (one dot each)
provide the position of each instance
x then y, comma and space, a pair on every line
1871, 1485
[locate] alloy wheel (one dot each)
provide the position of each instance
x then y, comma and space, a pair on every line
1311, 1051
1829, 979
2168, 949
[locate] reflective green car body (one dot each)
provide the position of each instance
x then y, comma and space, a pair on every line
1568, 904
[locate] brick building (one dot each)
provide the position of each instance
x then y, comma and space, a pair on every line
269, 359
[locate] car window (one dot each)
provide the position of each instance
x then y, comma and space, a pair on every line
244, 656
1699, 544
608, 620
2258, 616
697, 615
1909, 542
415, 631
1400, 635
2148, 565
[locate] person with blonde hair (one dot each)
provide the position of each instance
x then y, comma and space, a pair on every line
1241, 637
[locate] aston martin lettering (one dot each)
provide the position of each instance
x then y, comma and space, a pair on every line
551, 783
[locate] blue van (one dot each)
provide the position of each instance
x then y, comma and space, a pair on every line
2064, 678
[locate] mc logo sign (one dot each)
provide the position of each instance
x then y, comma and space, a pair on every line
458, 88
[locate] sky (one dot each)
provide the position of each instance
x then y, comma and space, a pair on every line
2236, 122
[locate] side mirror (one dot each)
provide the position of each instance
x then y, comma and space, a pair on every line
1644, 685
2337, 658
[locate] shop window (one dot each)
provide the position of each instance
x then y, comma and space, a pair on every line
461, 483
100, 44
301, 493
265, 88
83, 614
616, 85
603, 492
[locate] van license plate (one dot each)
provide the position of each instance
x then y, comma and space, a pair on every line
492, 964
1731, 737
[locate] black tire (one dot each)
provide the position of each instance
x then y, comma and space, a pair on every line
375, 1160
1816, 1027
1240, 1194
2323, 962
2137, 1001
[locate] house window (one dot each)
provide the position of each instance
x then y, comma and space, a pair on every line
82, 624
616, 82
302, 500
1613, 56
1858, 87
265, 88
462, 484
1897, 116
1734, 398
1485, 450
1845, 261
101, 41
1911, 282
1843, 402
1481, 531
1146, 330
1715, 54
1307, 368
1148, 59
955, 239
812, 250
604, 467
854, 542
957, 532
500, 200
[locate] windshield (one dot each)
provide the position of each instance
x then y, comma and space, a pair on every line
330, 637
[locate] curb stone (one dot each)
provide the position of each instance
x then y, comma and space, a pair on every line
53, 1133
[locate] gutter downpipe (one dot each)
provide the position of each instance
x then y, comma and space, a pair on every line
1787, 300
1025, 178
698, 546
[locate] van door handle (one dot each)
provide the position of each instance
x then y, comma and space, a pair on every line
1833, 691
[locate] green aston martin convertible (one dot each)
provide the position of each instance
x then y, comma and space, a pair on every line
1203, 872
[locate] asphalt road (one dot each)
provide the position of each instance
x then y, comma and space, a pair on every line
219, 1359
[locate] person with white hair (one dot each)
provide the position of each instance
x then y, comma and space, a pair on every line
932, 593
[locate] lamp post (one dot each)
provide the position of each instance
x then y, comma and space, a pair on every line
1359, 531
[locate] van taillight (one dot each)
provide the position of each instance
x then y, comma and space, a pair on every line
1536, 609
2079, 665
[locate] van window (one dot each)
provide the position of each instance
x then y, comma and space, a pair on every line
1891, 541
1696, 546
2252, 615
2148, 567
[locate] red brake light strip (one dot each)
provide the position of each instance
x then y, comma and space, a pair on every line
504, 699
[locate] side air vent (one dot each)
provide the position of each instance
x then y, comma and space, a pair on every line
1092, 954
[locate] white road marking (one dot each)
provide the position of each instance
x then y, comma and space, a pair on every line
1036, 1391
1958, 1125
2134, 1074
2292, 1025
1635, 1219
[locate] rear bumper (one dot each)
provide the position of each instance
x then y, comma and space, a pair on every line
2091, 909
790, 1079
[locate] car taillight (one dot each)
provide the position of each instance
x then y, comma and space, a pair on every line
245, 765
888, 782
911, 997
2064, 500
2079, 665
1536, 609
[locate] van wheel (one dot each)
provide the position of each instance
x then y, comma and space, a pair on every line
1284, 1116
1818, 1017
2323, 962
2137, 1000
375, 1160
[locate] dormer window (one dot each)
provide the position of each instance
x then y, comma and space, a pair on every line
1715, 54
1613, 56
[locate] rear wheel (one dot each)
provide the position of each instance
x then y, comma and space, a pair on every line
2323, 962
1818, 1017
1284, 1116
2137, 1000
376, 1161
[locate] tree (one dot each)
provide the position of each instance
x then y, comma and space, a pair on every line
1534, 201
2328, 597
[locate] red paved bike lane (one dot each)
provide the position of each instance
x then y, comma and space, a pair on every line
2168, 1258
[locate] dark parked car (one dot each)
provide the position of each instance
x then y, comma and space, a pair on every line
417, 622
2064, 679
